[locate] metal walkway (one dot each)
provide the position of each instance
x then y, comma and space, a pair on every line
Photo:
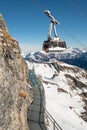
36, 112
38, 116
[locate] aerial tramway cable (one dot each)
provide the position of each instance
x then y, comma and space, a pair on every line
38, 5
78, 8
72, 36
69, 34
82, 12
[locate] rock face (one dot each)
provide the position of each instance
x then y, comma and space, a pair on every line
15, 93
2, 24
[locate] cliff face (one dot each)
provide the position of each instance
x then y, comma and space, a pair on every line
15, 92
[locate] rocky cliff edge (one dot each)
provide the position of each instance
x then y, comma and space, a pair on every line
15, 91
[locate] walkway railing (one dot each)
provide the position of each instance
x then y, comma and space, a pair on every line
44, 115
47, 115
51, 121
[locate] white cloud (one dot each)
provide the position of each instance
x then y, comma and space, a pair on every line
26, 48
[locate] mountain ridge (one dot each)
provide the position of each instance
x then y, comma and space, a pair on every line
65, 91
65, 86
73, 56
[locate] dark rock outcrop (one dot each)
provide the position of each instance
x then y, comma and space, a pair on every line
15, 92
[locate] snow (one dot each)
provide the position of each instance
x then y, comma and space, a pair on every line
63, 102
56, 48
58, 106
47, 72
73, 56
65, 107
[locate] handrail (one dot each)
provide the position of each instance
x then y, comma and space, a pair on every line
55, 124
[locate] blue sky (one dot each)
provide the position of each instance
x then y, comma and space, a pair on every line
27, 22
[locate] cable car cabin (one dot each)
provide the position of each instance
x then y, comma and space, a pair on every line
54, 45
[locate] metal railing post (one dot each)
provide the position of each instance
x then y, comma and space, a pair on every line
54, 125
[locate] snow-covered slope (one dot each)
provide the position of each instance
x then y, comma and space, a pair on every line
65, 85
71, 56
66, 93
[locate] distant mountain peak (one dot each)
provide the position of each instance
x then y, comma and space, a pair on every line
73, 56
